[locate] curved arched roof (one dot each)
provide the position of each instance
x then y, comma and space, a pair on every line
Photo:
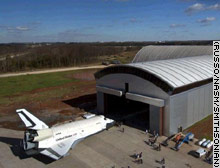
151, 53
173, 76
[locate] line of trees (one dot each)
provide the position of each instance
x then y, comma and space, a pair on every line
27, 56
58, 55
6, 49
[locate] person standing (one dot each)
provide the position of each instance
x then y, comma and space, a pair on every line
163, 161
159, 147
146, 131
140, 155
123, 130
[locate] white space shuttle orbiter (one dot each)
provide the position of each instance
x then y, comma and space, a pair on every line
55, 142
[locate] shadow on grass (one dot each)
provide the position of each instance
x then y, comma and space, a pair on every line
85, 102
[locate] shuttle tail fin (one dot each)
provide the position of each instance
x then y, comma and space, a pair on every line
30, 120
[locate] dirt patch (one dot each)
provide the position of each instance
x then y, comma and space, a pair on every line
79, 97
12, 125
66, 112
51, 112
87, 75
203, 129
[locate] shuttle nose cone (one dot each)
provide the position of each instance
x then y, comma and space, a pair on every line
110, 124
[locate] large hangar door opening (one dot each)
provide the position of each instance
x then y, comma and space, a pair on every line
132, 113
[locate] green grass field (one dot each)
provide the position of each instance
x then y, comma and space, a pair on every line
19, 89
15, 85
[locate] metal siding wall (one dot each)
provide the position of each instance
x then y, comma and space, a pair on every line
166, 117
154, 118
196, 105
136, 85
100, 102
202, 102
210, 99
206, 104
178, 113
190, 107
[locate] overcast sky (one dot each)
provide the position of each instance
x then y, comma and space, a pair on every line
108, 20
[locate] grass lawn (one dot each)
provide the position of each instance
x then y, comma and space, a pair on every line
19, 84
21, 89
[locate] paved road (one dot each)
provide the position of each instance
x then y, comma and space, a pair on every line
51, 70
104, 150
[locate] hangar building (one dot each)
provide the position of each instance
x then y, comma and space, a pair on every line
162, 95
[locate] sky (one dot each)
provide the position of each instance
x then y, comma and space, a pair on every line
108, 20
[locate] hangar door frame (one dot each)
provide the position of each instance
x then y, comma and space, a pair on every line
156, 104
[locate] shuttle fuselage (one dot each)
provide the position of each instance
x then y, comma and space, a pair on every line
55, 142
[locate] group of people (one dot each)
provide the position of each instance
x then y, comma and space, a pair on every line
152, 141
155, 134
138, 158
158, 147
162, 162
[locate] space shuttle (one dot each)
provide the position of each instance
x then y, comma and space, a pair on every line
55, 142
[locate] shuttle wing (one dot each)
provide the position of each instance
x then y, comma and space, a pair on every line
30, 120
59, 150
